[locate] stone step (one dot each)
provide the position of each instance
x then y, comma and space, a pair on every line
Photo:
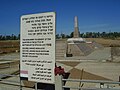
60, 50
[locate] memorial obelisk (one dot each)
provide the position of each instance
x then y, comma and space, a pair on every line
78, 46
76, 33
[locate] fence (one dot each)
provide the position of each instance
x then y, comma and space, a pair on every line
100, 82
17, 85
9, 76
12, 84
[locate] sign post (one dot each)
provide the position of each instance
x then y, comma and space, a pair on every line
37, 52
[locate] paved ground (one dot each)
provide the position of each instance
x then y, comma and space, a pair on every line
94, 65
11, 56
92, 71
99, 54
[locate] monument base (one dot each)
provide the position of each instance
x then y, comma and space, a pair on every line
80, 47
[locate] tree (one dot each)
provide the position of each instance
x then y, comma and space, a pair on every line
67, 36
57, 36
18, 37
71, 35
62, 35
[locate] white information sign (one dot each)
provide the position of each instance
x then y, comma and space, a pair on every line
37, 52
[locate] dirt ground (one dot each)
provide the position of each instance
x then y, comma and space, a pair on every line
13, 45
9, 46
105, 42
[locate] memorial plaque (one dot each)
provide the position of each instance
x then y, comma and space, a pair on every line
37, 56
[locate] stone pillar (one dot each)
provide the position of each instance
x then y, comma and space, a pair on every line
76, 29
58, 82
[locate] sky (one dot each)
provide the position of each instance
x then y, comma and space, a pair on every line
93, 15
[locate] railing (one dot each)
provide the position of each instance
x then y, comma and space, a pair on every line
100, 82
16, 85
12, 84
10, 78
